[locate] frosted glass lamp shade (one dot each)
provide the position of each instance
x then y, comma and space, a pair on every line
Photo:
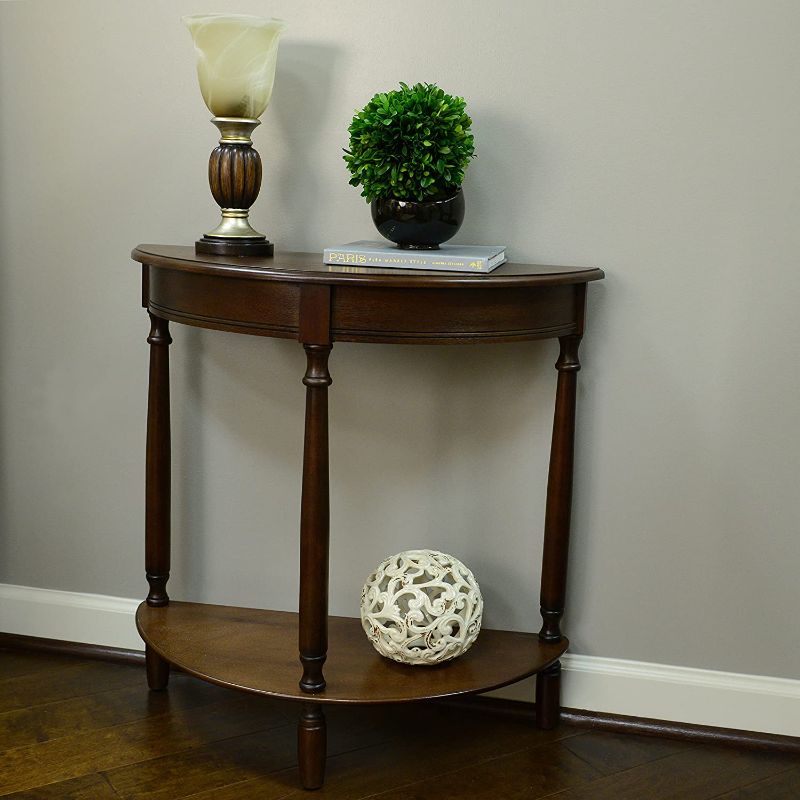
236, 57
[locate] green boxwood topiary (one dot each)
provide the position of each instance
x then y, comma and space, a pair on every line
410, 144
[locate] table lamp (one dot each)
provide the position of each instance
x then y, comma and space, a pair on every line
236, 56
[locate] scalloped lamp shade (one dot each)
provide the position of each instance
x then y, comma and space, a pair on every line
236, 57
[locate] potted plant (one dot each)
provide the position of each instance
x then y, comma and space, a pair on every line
408, 151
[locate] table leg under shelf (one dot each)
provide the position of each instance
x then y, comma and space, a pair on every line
312, 746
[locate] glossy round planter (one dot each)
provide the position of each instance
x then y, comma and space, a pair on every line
418, 225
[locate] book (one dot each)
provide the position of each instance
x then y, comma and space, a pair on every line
448, 258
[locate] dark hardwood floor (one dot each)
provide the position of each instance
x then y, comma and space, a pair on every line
78, 729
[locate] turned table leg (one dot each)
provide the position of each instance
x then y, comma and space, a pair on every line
556, 527
312, 741
157, 487
314, 534
315, 522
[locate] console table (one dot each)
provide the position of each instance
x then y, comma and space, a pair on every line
309, 656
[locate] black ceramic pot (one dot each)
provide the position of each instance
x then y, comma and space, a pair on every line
419, 225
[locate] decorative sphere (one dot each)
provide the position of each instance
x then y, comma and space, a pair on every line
421, 607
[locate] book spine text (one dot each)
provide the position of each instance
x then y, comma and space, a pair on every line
410, 261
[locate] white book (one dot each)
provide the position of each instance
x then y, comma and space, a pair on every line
448, 258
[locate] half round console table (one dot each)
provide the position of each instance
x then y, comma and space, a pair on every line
294, 296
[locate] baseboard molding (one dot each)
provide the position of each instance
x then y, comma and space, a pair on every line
604, 687
676, 694
69, 616
599, 720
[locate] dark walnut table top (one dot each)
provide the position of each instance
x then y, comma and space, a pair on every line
308, 267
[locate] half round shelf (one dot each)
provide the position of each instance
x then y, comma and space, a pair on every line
256, 651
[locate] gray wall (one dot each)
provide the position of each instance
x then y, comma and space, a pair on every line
658, 140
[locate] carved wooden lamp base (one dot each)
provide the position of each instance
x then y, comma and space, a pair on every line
234, 175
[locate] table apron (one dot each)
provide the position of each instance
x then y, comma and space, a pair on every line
367, 314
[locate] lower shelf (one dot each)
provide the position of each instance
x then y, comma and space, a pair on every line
256, 651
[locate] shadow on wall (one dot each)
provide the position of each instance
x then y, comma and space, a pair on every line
499, 181
302, 93
188, 516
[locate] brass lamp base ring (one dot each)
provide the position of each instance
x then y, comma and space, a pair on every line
232, 247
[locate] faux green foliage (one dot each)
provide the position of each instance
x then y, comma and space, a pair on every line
411, 144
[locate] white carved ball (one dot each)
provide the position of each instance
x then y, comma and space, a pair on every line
421, 607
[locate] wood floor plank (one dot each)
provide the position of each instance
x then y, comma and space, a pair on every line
525, 775
426, 739
43, 723
785, 786
209, 768
77, 729
88, 787
107, 748
275, 786
76, 680
701, 773
212, 768
615, 752
14, 663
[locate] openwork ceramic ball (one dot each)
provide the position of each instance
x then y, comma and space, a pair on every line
421, 607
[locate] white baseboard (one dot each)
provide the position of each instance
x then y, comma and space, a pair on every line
677, 694
631, 688
70, 616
